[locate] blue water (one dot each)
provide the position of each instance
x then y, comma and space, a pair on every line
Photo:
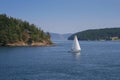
97, 61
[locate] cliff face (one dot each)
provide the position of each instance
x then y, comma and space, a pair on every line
16, 32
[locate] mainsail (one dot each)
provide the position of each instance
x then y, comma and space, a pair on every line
76, 46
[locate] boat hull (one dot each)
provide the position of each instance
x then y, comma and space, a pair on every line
75, 51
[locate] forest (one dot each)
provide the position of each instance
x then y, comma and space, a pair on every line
98, 34
15, 30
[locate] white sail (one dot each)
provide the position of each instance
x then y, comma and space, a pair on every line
76, 46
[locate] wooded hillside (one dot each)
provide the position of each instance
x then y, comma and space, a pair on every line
16, 30
98, 34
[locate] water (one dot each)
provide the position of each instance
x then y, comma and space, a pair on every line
97, 61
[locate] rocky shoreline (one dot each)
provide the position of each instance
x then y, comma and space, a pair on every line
31, 44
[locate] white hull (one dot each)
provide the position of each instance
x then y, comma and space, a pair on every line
75, 51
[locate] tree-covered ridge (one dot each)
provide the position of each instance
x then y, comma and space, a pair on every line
98, 34
15, 30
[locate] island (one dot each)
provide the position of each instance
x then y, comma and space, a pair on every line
16, 32
98, 34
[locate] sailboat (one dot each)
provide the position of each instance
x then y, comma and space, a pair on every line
76, 46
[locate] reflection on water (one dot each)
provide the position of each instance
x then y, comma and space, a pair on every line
76, 55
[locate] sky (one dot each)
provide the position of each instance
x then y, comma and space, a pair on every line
65, 16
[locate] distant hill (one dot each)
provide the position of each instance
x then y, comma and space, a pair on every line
57, 36
16, 32
98, 34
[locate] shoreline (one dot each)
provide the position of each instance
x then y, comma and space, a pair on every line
23, 44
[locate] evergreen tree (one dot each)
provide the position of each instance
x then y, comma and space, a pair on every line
15, 30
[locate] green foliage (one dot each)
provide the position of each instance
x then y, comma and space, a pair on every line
15, 30
97, 34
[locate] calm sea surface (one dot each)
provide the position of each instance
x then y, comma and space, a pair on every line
97, 61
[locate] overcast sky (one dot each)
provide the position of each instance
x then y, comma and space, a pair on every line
65, 16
